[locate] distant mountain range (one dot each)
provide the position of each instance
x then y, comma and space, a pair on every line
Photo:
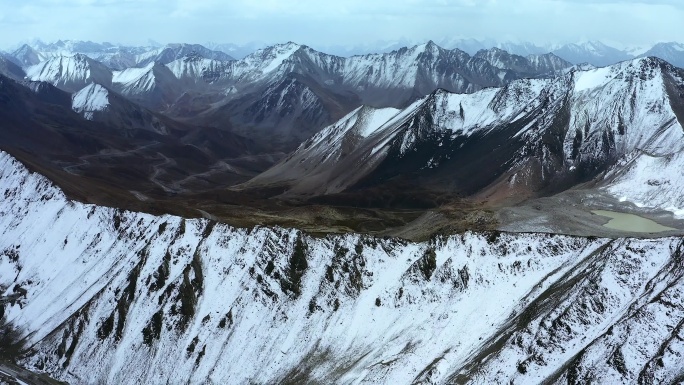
120, 56
291, 87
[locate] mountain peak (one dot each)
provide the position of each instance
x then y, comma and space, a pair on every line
82, 58
92, 98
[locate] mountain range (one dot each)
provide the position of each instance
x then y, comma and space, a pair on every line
424, 215
288, 86
527, 137
309, 126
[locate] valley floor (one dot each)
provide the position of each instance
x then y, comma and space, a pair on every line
570, 213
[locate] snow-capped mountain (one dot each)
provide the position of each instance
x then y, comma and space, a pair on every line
334, 83
671, 52
531, 135
194, 69
116, 57
110, 55
532, 65
172, 52
102, 295
91, 99
415, 69
66, 47
366, 48
97, 103
153, 85
70, 73
592, 52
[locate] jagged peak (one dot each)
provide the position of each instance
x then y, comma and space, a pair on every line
641, 69
429, 46
90, 99
283, 47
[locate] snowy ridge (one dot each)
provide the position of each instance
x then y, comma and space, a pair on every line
136, 298
139, 79
197, 68
70, 73
603, 115
172, 52
632, 99
423, 67
91, 99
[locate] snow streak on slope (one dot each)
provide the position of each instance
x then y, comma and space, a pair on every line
90, 99
141, 79
118, 297
651, 181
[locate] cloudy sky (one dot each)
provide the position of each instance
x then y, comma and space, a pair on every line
340, 22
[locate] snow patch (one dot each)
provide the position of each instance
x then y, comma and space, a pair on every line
130, 75
89, 100
592, 79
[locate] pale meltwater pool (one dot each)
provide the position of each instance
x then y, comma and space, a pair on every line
631, 222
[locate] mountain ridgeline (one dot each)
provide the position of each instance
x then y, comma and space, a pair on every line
532, 136
420, 216
291, 89
102, 295
416, 128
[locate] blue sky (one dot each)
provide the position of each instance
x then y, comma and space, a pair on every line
343, 22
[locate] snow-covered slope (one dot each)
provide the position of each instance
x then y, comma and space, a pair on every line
153, 86
195, 69
106, 296
399, 75
530, 135
90, 99
97, 103
171, 52
70, 73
